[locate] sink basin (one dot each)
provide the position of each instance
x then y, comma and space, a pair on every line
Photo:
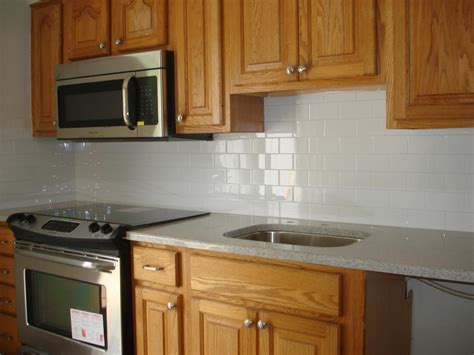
296, 238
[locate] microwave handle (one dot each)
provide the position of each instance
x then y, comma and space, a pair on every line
126, 106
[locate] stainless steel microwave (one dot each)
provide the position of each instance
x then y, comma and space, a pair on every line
117, 97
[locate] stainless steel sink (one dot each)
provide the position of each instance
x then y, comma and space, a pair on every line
296, 238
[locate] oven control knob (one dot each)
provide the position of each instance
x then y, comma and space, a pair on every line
30, 219
106, 228
21, 217
94, 227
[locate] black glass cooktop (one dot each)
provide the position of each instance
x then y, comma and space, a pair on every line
131, 216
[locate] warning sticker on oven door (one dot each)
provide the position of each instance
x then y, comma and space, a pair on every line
87, 327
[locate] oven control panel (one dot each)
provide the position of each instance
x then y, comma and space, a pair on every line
65, 227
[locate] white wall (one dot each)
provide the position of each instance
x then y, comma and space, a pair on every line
31, 170
324, 156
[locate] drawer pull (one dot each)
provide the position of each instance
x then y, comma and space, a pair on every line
152, 268
3, 242
5, 301
4, 271
5, 336
261, 324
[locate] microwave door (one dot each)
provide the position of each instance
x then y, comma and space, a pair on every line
97, 107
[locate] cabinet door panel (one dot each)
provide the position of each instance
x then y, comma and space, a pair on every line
431, 79
86, 28
157, 327
264, 35
288, 335
45, 54
199, 59
337, 38
138, 24
218, 328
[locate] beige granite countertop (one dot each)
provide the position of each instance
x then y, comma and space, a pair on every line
442, 255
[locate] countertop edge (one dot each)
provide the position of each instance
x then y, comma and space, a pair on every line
297, 256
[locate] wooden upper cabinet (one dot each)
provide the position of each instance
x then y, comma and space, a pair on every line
285, 45
219, 328
200, 94
431, 78
337, 38
157, 322
281, 334
138, 24
264, 36
86, 29
45, 54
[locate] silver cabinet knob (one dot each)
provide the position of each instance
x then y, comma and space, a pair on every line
170, 306
102, 45
302, 68
3, 242
290, 70
180, 118
5, 301
4, 271
5, 336
261, 324
248, 323
118, 41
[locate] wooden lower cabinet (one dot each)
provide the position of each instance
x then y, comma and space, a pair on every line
240, 305
282, 334
220, 328
157, 322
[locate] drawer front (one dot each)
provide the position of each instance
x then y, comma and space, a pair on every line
155, 265
7, 299
7, 270
6, 240
8, 335
313, 291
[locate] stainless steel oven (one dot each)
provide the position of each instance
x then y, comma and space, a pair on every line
122, 96
68, 302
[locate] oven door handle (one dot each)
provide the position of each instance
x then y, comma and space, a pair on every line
69, 260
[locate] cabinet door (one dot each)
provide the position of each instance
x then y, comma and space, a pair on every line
138, 24
86, 29
157, 322
337, 38
45, 54
281, 334
431, 79
200, 94
219, 328
264, 36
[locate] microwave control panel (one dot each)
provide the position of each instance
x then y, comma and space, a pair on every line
147, 100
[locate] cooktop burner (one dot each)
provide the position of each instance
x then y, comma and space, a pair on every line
130, 216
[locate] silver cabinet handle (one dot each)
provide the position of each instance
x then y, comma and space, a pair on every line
3, 242
170, 306
118, 41
261, 324
290, 70
5, 336
302, 68
4, 271
248, 323
5, 301
125, 108
102, 45
152, 268
180, 118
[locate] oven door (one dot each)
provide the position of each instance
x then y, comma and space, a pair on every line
67, 302
98, 107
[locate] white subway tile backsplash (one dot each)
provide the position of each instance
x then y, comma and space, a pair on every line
324, 156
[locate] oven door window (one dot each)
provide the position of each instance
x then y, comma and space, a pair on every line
50, 299
93, 104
